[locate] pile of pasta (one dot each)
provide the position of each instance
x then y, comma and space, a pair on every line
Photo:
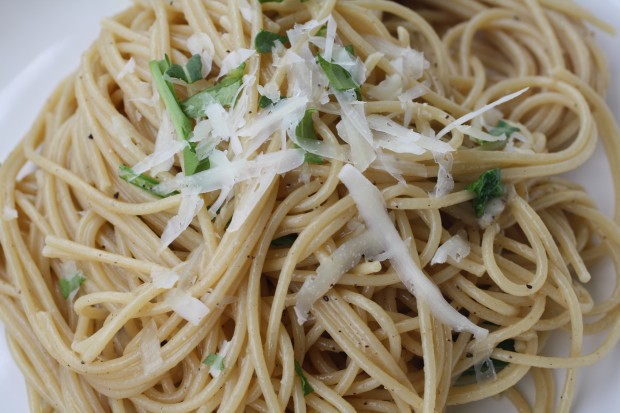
316, 233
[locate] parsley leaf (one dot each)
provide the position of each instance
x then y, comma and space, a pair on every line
189, 73
305, 130
487, 187
182, 124
141, 181
69, 285
215, 360
223, 92
285, 241
264, 101
350, 49
265, 41
338, 77
305, 386
503, 128
322, 32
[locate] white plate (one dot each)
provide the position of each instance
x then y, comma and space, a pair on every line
41, 43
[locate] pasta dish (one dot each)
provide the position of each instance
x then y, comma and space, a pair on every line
313, 205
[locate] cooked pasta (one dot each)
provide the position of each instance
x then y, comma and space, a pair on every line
338, 205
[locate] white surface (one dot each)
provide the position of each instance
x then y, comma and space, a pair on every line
41, 42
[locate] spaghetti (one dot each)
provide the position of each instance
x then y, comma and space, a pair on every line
321, 206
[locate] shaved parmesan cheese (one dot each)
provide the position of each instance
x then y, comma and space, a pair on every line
234, 59
323, 149
130, 67
406, 102
166, 147
9, 214
191, 203
300, 32
270, 91
330, 38
409, 63
400, 139
164, 278
479, 134
271, 120
389, 88
371, 206
466, 118
201, 44
331, 269
493, 209
456, 248
445, 181
251, 197
150, 349
223, 175
354, 129
186, 306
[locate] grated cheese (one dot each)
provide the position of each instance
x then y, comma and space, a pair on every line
371, 206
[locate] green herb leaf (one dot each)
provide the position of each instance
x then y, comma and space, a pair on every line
322, 32
224, 93
264, 101
69, 285
285, 241
182, 124
305, 130
350, 49
141, 181
189, 73
214, 360
305, 386
265, 41
503, 128
487, 187
338, 77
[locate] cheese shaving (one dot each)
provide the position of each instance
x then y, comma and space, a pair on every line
185, 305
164, 278
466, 118
331, 270
371, 206
201, 44
234, 60
455, 248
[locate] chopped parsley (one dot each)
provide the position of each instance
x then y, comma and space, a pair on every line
503, 128
182, 124
224, 92
285, 241
264, 101
305, 386
339, 78
487, 187
141, 181
305, 130
214, 360
189, 73
69, 285
265, 41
